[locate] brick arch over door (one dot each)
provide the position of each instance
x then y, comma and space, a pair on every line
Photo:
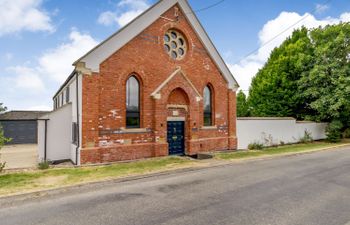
178, 97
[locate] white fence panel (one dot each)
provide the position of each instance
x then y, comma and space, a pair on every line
58, 134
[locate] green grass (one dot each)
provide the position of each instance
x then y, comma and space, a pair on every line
22, 182
275, 150
53, 178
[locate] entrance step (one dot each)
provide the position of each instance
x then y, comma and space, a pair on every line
201, 156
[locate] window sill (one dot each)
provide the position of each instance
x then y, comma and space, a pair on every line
134, 130
209, 127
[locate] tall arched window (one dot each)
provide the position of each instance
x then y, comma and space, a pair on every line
207, 104
132, 103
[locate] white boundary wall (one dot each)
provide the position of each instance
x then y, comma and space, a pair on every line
275, 130
58, 134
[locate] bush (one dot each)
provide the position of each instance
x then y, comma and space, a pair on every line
307, 138
2, 166
44, 165
333, 131
255, 146
268, 140
3, 140
346, 133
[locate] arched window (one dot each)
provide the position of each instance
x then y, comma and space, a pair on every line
132, 103
207, 104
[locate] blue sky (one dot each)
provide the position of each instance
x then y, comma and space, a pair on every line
39, 39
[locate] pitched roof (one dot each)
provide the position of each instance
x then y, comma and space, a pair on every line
22, 115
92, 60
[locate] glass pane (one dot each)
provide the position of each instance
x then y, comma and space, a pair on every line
207, 99
207, 120
132, 94
181, 41
181, 51
167, 48
173, 35
166, 38
132, 122
173, 55
207, 106
173, 45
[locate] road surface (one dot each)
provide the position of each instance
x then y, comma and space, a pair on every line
310, 189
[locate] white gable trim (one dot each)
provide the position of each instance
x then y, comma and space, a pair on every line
96, 56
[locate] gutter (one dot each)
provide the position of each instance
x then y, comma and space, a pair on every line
45, 148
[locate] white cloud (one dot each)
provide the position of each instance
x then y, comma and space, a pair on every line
26, 78
57, 63
126, 11
32, 84
345, 17
8, 56
320, 8
107, 18
19, 15
248, 67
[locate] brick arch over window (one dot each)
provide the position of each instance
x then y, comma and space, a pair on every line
178, 97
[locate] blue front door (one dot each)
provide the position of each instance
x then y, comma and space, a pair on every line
176, 137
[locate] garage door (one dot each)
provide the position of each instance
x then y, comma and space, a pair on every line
21, 132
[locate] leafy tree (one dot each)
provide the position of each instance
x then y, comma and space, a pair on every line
2, 108
242, 105
327, 84
274, 90
3, 140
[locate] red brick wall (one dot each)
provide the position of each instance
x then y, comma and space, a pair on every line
178, 97
104, 138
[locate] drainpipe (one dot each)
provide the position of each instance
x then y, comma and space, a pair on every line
45, 145
78, 131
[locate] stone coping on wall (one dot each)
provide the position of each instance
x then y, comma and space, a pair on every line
278, 118
307, 121
265, 118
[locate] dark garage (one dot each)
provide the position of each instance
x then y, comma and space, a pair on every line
21, 126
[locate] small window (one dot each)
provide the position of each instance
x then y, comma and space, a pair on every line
207, 103
67, 94
62, 99
75, 133
132, 103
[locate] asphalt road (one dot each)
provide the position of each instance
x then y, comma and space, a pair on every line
305, 189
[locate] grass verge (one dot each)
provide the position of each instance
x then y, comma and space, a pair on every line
294, 148
23, 182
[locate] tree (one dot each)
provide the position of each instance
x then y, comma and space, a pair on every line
327, 84
3, 140
242, 105
274, 90
2, 108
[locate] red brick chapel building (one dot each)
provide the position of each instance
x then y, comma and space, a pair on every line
157, 87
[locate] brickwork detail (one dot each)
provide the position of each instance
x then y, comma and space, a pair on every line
105, 138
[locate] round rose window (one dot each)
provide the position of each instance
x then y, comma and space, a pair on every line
175, 44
